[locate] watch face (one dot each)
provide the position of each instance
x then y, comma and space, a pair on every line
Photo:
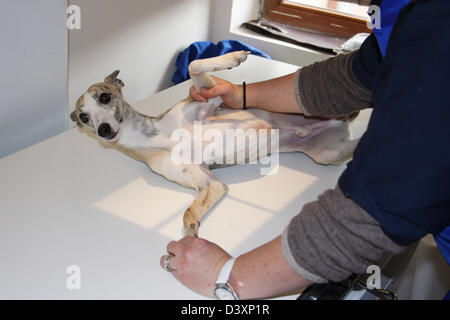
224, 293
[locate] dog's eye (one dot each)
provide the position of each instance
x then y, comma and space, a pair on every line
105, 98
84, 117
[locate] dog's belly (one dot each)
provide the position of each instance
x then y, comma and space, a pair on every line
243, 136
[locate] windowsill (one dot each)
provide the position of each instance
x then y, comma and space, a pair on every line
244, 32
229, 17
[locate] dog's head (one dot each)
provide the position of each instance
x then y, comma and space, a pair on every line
101, 108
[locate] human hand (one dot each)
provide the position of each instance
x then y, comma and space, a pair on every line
196, 263
231, 94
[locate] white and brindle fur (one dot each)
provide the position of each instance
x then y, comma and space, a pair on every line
102, 110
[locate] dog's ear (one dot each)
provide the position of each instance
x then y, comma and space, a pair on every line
112, 79
74, 118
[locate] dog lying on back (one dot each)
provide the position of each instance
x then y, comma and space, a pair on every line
102, 110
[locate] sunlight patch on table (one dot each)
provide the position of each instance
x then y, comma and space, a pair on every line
145, 205
233, 222
173, 227
275, 191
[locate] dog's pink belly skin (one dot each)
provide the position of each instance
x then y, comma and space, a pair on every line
295, 131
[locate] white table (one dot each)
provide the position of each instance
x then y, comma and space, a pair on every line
69, 201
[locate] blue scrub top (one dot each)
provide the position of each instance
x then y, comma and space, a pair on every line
400, 172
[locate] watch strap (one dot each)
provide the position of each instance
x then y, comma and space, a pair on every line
225, 272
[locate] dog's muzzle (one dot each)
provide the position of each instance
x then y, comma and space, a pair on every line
105, 131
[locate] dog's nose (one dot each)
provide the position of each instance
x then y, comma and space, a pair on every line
105, 131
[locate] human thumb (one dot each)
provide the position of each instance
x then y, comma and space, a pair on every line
213, 92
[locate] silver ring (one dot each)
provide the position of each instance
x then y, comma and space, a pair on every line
166, 265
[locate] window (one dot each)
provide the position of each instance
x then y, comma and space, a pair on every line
343, 18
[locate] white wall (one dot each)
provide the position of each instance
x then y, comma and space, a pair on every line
33, 92
141, 38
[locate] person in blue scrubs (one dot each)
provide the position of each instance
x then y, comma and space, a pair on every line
394, 191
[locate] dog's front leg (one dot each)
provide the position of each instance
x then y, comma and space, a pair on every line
198, 68
209, 189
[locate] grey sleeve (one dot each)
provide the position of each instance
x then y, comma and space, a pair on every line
333, 238
330, 88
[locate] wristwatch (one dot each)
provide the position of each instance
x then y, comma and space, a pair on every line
222, 289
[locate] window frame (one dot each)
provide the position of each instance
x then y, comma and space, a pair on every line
315, 19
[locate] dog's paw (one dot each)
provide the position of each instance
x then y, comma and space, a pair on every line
238, 57
191, 229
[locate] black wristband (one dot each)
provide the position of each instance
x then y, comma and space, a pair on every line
244, 96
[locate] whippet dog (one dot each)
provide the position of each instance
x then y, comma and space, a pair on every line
103, 111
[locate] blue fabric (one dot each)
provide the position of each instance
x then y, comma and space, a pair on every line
367, 62
447, 296
206, 49
443, 242
389, 11
401, 167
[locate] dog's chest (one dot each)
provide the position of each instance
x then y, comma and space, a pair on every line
134, 138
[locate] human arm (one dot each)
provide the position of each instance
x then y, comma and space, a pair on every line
331, 88
262, 272
276, 95
330, 239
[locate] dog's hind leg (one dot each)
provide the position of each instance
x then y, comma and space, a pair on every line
198, 68
331, 146
209, 189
